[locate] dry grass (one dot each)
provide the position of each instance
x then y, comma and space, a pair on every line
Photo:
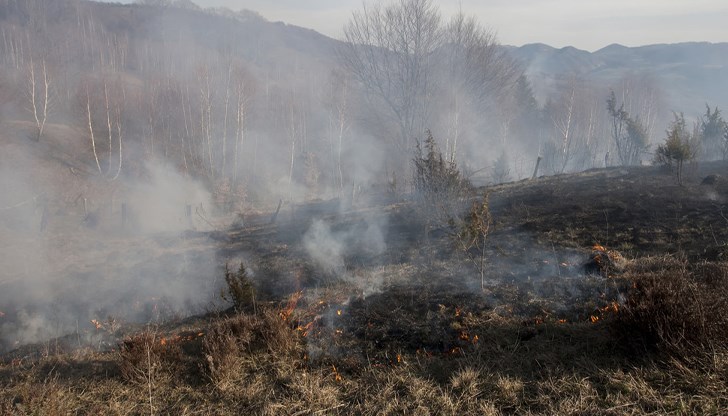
261, 367
678, 309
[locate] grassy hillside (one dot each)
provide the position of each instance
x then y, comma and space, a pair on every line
390, 320
189, 156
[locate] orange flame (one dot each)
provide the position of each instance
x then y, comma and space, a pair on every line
612, 307
594, 319
457, 312
454, 350
562, 321
399, 358
338, 312
97, 324
292, 302
475, 340
305, 328
163, 341
337, 376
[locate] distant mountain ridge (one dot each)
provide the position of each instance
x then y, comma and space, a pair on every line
691, 73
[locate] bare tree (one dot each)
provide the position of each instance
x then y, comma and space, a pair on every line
338, 104
39, 95
90, 126
574, 116
206, 102
103, 106
475, 62
416, 68
242, 90
629, 134
643, 99
388, 50
563, 118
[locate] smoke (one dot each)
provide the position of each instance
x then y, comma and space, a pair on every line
337, 252
61, 270
161, 200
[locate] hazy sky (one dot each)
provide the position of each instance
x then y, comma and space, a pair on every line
585, 24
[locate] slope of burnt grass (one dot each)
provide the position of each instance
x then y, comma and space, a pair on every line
640, 210
413, 329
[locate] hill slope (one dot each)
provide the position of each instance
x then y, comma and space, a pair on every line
394, 320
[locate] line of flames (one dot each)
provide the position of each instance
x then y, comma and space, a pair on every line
612, 307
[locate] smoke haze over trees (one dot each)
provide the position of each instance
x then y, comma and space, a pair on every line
242, 103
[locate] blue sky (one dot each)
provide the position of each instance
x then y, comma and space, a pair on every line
585, 24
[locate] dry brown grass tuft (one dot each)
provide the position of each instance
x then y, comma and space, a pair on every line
38, 397
229, 343
146, 357
223, 348
677, 309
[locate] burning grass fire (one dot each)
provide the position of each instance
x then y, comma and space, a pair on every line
554, 326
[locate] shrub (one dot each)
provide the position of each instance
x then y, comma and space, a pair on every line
240, 289
222, 346
472, 233
438, 184
680, 146
228, 341
142, 357
678, 311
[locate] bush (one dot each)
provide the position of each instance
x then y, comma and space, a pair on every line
472, 234
679, 147
438, 184
228, 341
240, 289
677, 310
144, 356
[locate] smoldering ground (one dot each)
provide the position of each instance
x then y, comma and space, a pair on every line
67, 263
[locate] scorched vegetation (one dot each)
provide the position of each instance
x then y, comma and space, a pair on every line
414, 329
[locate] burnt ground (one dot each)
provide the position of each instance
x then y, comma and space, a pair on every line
639, 211
390, 295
